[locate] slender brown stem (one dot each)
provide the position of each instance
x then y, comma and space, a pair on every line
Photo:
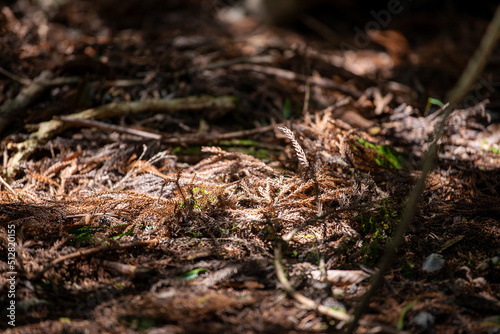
475, 66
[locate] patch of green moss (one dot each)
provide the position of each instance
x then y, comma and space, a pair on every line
385, 155
378, 227
187, 150
239, 142
407, 269
139, 323
380, 223
121, 235
86, 233
371, 253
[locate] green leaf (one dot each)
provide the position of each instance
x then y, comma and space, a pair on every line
387, 156
192, 274
432, 101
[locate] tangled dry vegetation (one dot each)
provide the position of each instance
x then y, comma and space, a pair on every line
75, 208
157, 198
119, 229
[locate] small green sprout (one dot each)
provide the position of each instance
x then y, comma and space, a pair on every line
192, 274
432, 101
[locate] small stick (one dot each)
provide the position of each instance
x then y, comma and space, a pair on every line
307, 302
49, 129
477, 62
214, 137
8, 187
14, 77
194, 140
110, 127
27, 95
91, 251
312, 305
289, 75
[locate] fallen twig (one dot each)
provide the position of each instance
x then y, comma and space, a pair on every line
289, 75
15, 77
49, 129
91, 251
29, 94
197, 139
109, 127
204, 138
9, 188
476, 64
307, 302
312, 305
36, 87
221, 64
128, 269
26, 96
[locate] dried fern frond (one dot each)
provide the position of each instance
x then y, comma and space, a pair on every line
230, 165
43, 179
298, 149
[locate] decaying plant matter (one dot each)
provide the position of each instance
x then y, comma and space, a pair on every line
267, 208
117, 199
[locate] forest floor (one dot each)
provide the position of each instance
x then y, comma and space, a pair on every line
170, 168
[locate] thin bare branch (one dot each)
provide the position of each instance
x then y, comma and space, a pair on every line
91, 251
456, 95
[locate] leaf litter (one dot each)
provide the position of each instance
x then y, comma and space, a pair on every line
116, 233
